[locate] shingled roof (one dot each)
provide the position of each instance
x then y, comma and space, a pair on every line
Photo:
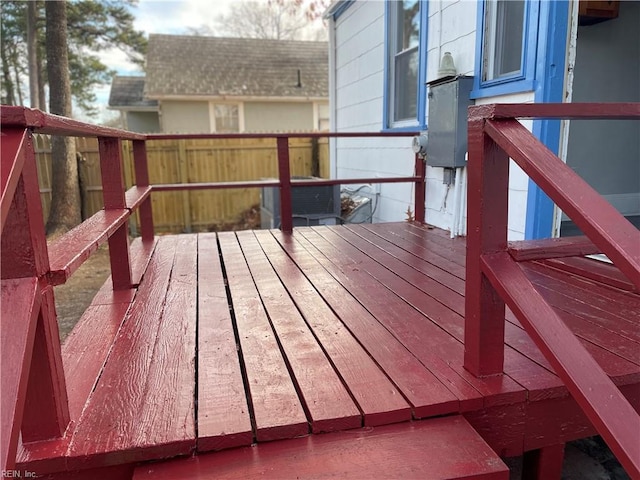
214, 66
129, 92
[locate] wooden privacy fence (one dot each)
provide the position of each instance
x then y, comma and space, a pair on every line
190, 161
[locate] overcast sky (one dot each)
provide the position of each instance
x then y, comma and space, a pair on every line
159, 16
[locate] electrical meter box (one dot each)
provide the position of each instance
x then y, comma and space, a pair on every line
447, 123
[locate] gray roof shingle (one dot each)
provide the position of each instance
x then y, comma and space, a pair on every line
129, 92
215, 66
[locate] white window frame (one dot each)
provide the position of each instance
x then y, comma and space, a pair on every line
212, 114
317, 118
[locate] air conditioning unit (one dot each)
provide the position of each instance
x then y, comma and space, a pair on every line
310, 205
359, 209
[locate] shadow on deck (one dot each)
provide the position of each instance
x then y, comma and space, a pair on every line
233, 339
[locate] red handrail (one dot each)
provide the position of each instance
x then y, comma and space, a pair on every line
30, 268
494, 276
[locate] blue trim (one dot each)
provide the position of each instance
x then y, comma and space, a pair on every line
421, 87
422, 64
385, 86
522, 81
414, 128
552, 47
504, 89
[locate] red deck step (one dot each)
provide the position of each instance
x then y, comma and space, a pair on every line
446, 447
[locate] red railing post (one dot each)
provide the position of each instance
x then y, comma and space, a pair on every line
42, 409
46, 410
142, 180
488, 183
420, 189
114, 198
284, 172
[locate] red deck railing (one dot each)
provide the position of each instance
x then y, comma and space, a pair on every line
34, 397
284, 176
494, 276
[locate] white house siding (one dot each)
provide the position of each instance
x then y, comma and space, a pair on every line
278, 116
184, 116
359, 94
143, 122
358, 106
518, 180
452, 28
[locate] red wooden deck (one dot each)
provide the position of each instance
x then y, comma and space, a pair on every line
237, 338
363, 351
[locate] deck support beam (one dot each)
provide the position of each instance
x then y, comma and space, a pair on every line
544, 463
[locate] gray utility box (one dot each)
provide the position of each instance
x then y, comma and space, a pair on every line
447, 124
310, 205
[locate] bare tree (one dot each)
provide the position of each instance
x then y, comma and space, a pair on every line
65, 201
32, 53
281, 20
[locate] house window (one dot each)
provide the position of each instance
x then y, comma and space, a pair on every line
226, 118
505, 60
323, 117
405, 72
504, 27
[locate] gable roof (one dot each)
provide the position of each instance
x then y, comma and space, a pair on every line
215, 66
128, 92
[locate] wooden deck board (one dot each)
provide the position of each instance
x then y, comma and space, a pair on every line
538, 381
167, 416
84, 353
402, 322
418, 247
594, 269
381, 401
377, 397
262, 336
593, 293
413, 334
109, 423
601, 344
438, 274
433, 449
223, 412
325, 399
277, 410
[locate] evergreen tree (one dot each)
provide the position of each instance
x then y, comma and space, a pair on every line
62, 55
92, 26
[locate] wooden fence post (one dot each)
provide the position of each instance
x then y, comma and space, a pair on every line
488, 182
284, 173
183, 173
